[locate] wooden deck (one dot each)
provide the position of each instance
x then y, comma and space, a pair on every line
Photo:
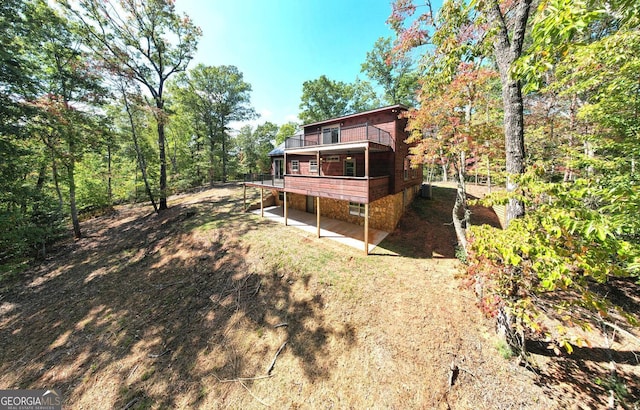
353, 189
346, 233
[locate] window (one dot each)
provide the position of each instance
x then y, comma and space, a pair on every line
332, 158
313, 165
295, 165
278, 168
407, 165
350, 168
331, 134
356, 209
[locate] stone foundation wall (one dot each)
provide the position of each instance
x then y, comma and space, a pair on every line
268, 200
295, 201
276, 196
336, 209
384, 214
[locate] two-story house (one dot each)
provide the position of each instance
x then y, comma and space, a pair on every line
354, 168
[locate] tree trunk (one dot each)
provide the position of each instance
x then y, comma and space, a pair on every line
162, 155
211, 160
514, 142
460, 212
109, 188
224, 153
173, 156
508, 48
141, 162
56, 183
72, 195
488, 174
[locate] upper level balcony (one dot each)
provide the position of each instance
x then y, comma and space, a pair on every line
341, 135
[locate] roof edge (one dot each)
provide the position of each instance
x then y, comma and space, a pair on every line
388, 107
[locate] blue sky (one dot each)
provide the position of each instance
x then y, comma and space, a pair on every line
279, 44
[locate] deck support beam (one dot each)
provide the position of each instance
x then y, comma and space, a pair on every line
366, 229
262, 202
286, 208
366, 162
318, 214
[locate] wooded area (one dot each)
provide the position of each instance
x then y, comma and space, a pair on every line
547, 92
98, 107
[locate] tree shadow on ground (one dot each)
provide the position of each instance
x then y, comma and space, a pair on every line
592, 374
162, 305
586, 375
426, 229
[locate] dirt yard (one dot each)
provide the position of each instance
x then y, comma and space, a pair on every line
205, 306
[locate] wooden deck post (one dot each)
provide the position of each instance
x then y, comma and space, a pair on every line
366, 161
262, 202
318, 214
244, 198
285, 209
366, 229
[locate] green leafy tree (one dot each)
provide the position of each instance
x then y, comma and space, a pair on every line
188, 147
216, 96
364, 97
285, 131
68, 86
264, 135
144, 41
323, 98
578, 234
396, 75
130, 95
456, 87
29, 216
503, 25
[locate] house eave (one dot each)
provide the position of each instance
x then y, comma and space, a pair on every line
339, 148
399, 107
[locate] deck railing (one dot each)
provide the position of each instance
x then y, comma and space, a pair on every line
264, 179
354, 133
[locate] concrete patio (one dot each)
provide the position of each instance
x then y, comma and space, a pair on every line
344, 232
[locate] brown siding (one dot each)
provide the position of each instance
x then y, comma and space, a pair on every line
385, 120
378, 188
304, 164
333, 168
380, 164
337, 168
388, 195
399, 184
347, 189
343, 188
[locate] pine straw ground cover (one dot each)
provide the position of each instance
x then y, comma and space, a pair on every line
205, 306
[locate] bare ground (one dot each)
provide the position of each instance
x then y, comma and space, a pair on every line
188, 309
